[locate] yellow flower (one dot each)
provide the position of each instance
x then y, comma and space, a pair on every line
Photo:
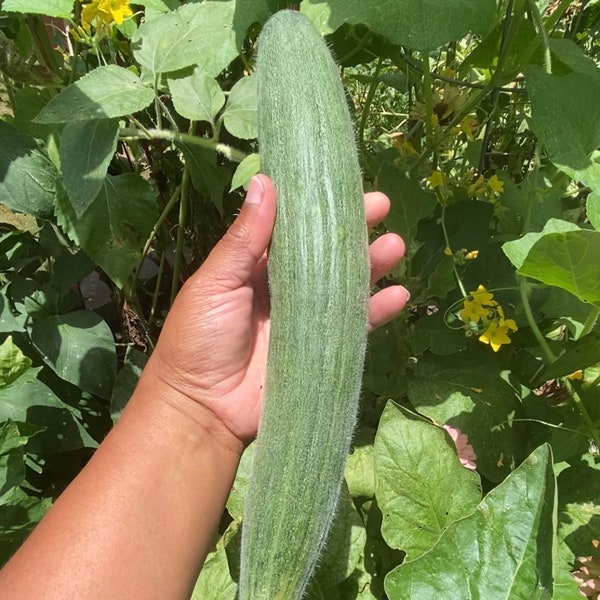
436, 179
472, 255
495, 185
503, 322
107, 11
482, 296
477, 188
495, 335
118, 10
576, 375
473, 311
468, 126
403, 146
448, 251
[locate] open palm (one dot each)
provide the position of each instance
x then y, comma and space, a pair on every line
213, 347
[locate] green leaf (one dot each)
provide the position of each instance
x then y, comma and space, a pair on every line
503, 550
104, 93
421, 486
578, 519
536, 199
8, 322
27, 175
68, 269
240, 116
28, 400
208, 177
567, 260
13, 439
86, 149
215, 580
19, 513
360, 466
386, 351
467, 226
249, 167
196, 96
13, 363
569, 57
159, 5
517, 250
79, 347
466, 391
418, 24
580, 354
235, 502
205, 34
565, 115
409, 201
14, 436
442, 281
115, 227
61, 9
593, 210
432, 333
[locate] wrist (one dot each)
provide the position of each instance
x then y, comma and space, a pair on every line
183, 415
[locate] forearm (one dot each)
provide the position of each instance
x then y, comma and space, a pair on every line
140, 518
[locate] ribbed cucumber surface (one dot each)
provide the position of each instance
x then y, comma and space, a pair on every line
319, 287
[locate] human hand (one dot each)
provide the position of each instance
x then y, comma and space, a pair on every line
212, 352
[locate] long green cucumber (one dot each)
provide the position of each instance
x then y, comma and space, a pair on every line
319, 286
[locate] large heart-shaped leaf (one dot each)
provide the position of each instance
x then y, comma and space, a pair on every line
503, 550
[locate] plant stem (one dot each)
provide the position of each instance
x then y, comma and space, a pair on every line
10, 92
362, 44
159, 277
539, 24
166, 112
553, 20
161, 219
590, 322
183, 208
369, 100
157, 103
233, 154
524, 291
428, 93
593, 432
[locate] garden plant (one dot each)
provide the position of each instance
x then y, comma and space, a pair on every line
127, 134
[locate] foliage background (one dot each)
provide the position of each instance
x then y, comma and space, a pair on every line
126, 137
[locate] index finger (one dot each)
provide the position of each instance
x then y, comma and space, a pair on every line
377, 206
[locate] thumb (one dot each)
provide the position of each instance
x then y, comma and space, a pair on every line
233, 259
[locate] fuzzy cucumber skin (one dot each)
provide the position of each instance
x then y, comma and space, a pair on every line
319, 285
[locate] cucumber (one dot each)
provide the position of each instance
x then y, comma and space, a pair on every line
319, 286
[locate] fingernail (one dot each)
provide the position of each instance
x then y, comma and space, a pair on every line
255, 192
407, 295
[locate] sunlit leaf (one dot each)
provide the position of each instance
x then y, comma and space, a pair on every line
418, 24
79, 347
466, 391
567, 260
86, 150
115, 227
421, 486
61, 9
503, 550
518, 250
104, 93
196, 96
240, 116
27, 175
